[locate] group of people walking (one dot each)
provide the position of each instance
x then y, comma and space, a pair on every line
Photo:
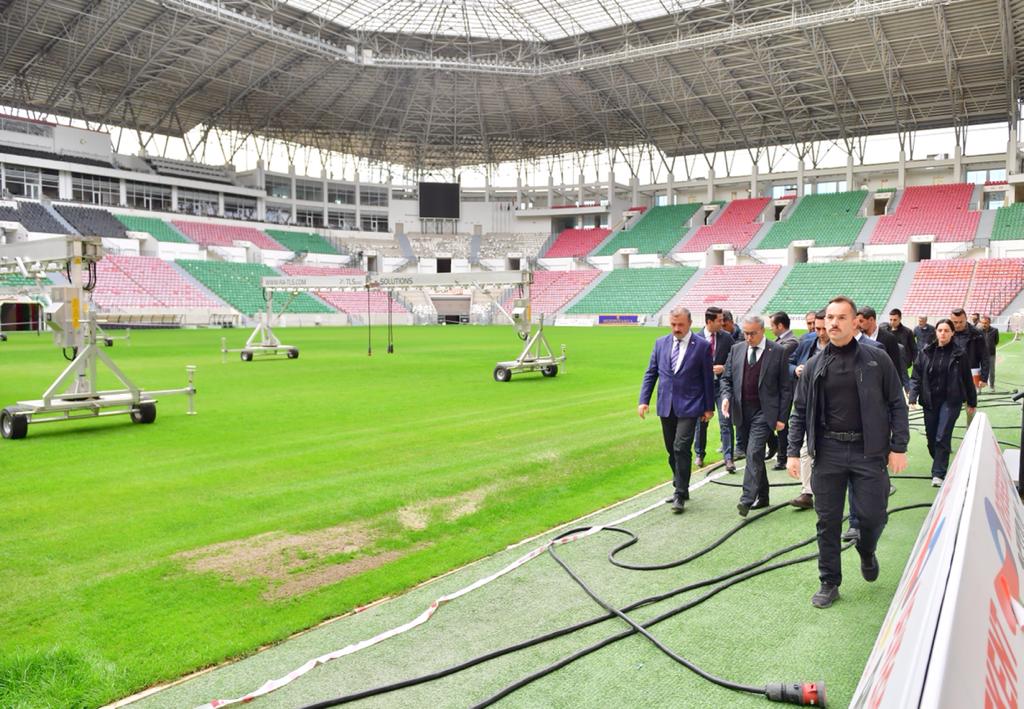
830, 407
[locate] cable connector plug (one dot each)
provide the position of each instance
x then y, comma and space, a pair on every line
805, 694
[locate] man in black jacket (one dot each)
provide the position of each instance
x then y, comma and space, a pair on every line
784, 337
867, 322
721, 342
968, 338
924, 333
850, 405
756, 394
991, 336
907, 342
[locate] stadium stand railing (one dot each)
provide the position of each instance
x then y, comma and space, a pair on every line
810, 286
657, 232
238, 284
735, 226
827, 219
632, 291
734, 288
576, 243
942, 211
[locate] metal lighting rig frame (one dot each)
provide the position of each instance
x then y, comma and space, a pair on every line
536, 355
75, 394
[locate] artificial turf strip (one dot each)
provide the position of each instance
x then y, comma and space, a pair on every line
89, 577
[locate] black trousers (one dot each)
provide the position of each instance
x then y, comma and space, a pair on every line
755, 431
838, 465
678, 434
724, 430
939, 420
783, 436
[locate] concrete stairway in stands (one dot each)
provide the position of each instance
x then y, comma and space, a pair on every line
900, 292
985, 225
58, 216
759, 305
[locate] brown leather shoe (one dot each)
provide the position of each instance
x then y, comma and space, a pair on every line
804, 501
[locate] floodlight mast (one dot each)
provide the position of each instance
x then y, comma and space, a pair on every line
75, 393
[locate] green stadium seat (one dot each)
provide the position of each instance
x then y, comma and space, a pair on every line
828, 219
157, 228
657, 232
1009, 224
633, 291
302, 241
809, 286
239, 285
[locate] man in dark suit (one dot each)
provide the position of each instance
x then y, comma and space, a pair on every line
681, 366
757, 393
907, 342
729, 325
720, 343
991, 337
784, 337
924, 333
867, 322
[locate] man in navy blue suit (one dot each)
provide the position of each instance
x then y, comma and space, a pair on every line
681, 366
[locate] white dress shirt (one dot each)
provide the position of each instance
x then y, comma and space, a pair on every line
683, 344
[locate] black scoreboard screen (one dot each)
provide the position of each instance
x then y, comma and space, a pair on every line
439, 200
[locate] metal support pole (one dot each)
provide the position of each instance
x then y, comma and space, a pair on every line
369, 325
391, 335
1020, 459
190, 369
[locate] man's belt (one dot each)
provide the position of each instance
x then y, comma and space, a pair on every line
844, 436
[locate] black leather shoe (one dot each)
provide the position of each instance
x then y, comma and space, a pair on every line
743, 509
869, 567
773, 448
851, 535
779, 466
760, 505
730, 467
678, 505
670, 500
826, 596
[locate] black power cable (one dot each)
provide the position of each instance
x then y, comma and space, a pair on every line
798, 693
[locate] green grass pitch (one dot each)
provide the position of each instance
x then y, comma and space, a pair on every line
132, 554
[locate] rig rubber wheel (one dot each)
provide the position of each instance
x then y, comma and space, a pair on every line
550, 370
13, 425
246, 355
293, 354
144, 413
502, 374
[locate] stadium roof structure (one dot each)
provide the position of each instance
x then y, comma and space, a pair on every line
458, 82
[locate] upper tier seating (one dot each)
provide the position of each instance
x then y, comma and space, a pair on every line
157, 228
809, 286
16, 279
239, 285
9, 214
633, 291
734, 288
302, 241
193, 170
576, 243
221, 235
657, 232
34, 217
939, 210
146, 281
500, 245
736, 226
997, 281
939, 287
352, 302
92, 222
1009, 224
430, 245
29, 153
381, 247
827, 219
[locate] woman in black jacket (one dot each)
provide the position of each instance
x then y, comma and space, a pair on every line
942, 382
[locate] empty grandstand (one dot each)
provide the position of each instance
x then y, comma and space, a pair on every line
825, 219
92, 222
809, 286
576, 243
211, 234
352, 302
130, 282
238, 284
735, 226
940, 211
657, 232
302, 241
977, 285
551, 290
157, 228
633, 291
1009, 224
500, 244
734, 288
430, 245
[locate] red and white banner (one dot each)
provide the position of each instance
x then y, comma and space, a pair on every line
954, 634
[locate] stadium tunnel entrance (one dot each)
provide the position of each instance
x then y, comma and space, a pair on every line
452, 309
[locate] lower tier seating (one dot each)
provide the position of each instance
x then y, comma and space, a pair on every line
352, 302
633, 291
810, 286
734, 288
239, 285
576, 243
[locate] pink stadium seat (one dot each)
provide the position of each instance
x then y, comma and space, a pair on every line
997, 282
551, 290
938, 210
734, 288
206, 234
145, 282
736, 226
576, 243
347, 301
984, 286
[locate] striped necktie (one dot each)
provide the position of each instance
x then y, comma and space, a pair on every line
675, 356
